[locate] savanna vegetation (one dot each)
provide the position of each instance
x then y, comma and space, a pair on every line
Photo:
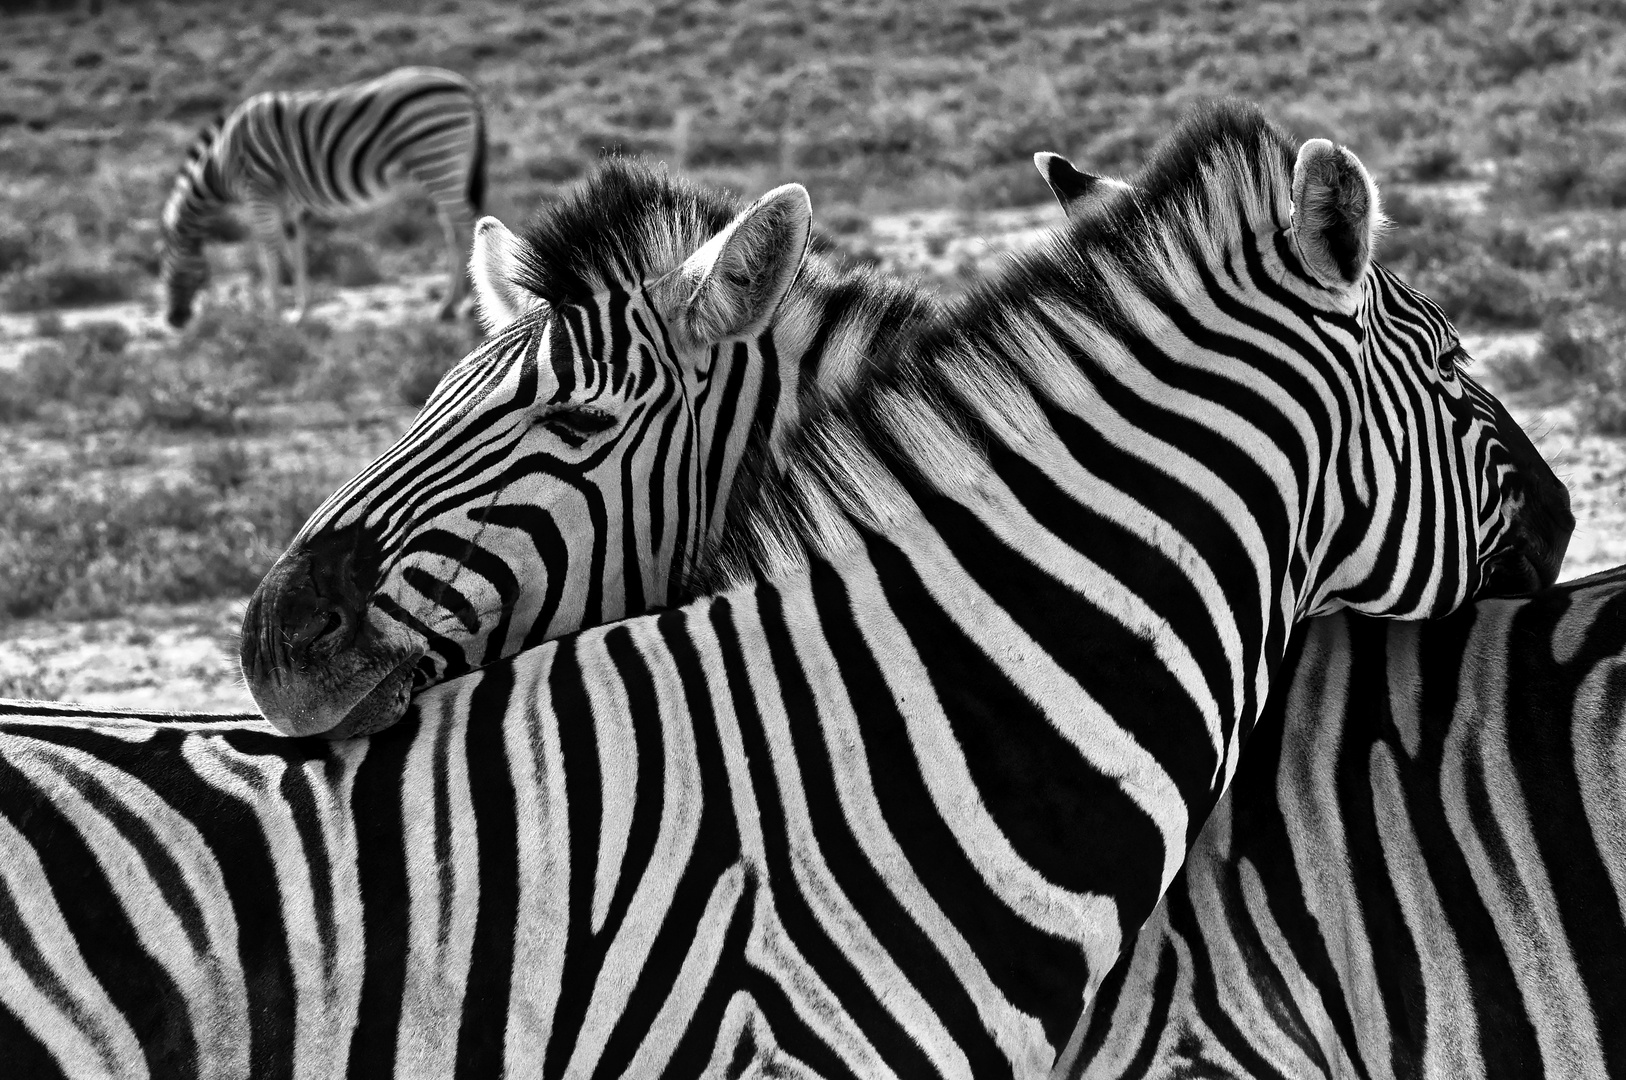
151, 466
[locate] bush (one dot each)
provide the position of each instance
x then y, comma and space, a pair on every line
225, 357
342, 259
84, 367
81, 550
1426, 233
1577, 345
67, 282
16, 247
421, 353
1480, 289
409, 221
1604, 409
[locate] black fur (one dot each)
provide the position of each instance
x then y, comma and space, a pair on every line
601, 232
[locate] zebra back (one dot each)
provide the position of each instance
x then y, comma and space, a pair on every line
1418, 871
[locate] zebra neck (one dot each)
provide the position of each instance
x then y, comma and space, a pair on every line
832, 329
200, 193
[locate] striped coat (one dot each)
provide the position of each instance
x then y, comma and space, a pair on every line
1419, 870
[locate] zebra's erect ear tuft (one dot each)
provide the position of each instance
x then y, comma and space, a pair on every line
732, 286
1078, 192
1336, 214
494, 267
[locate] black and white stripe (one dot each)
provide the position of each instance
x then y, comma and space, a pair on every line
1419, 871
281, 155
984, 650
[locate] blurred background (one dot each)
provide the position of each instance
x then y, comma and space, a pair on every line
148, 478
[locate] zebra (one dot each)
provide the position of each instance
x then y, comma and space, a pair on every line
285, 154
542, 488
868, 620
1526, 689
1418, 871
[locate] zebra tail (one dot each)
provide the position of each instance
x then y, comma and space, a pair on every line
476, 192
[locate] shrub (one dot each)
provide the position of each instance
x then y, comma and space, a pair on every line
1604, 409
224, 358
406, 222
1597, 270
87, 550
1434, 159
344, 260
1481, 289
67, 282
421, 353
1426, 233
83, 367
16, 247
271, 350
1577, 345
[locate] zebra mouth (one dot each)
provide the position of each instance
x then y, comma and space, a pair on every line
1514, 573
383, 705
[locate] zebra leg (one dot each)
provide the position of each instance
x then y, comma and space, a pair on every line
296, 254
455, 226
265, 221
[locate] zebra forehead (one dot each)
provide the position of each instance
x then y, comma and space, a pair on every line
630, 222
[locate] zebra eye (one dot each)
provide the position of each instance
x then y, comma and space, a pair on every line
1452, 360
576, 426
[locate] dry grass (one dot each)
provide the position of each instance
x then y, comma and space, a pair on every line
176, 469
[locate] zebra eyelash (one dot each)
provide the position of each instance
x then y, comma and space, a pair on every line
574, 426
1454, 360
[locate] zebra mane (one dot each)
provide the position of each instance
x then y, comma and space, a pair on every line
188, 214
919, 422
631, 221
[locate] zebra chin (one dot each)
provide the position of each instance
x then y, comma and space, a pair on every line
363, 702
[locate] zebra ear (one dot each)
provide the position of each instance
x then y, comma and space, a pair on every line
732, 286
494, 267
1078, 192
1336, 213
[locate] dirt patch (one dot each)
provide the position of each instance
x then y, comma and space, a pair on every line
156, 657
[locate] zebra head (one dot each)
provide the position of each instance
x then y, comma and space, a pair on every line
183, 272
1426, 421
563, 474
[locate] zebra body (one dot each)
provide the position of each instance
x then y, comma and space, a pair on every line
284, 154
457, 854
1419, 870
887, 803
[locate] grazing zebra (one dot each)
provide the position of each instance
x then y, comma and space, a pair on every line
556, 478
675, 854
340, 151
1419, 871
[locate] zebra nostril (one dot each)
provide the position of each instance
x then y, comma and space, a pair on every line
319, 626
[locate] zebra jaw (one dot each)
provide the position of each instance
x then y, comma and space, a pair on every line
366, 702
